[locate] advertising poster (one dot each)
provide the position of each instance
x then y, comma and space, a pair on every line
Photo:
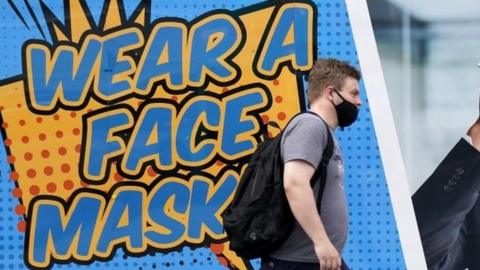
125, 127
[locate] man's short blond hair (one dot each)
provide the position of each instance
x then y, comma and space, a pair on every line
327, 72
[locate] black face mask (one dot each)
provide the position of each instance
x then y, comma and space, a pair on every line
347, 112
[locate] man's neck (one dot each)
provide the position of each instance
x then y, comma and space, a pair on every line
328, 115
474, 133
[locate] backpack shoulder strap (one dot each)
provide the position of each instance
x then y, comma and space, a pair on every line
327, 152
321, 171
264, 126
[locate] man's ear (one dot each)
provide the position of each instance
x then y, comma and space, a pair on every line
328, 92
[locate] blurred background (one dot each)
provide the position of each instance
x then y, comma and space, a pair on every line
429, 51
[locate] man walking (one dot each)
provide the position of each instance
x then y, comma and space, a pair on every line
316, 241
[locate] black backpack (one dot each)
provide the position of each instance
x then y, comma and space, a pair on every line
259, 219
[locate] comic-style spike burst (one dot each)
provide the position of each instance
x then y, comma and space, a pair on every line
77, 21
112, 15
59, 35
141, 17
228, 258
78, 18
18, 13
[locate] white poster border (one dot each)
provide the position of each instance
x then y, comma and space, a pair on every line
386, 134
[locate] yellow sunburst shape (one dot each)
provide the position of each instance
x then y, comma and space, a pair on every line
93, 75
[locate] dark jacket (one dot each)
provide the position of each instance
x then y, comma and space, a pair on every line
442, 206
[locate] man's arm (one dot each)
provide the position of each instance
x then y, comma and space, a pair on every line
297, 175
445, 199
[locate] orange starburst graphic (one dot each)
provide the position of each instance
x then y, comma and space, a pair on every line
45, 147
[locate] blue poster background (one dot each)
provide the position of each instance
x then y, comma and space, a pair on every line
373, 241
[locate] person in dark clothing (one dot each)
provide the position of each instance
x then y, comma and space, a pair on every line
447, 208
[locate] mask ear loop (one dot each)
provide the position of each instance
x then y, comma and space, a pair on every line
338, 94
343, 100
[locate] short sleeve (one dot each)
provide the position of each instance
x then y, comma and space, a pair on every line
304, 139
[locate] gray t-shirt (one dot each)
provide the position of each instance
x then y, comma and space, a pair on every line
305, 139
